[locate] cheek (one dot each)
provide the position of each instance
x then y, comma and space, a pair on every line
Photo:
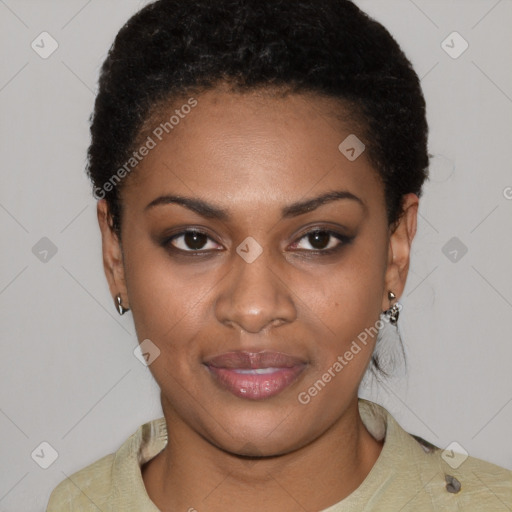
346, 325
166, 299
346, 317
348, 296
167, 309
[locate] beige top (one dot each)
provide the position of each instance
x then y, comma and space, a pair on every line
410, 475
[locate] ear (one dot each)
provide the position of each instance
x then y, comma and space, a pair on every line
112, 255
399, 249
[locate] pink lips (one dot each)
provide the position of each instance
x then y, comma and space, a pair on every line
255, 375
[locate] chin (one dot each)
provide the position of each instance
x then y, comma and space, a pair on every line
261, 432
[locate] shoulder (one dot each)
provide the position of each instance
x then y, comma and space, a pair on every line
87, 489
477, 481
113, 482
412, 474
456, 479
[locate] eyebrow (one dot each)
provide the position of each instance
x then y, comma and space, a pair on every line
211, 211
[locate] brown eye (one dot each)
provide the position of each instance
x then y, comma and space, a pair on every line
195, 241
190, 241
319, 239
322, 241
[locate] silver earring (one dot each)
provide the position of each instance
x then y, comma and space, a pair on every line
394, 310
119, 305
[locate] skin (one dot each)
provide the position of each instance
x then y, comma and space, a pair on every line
253, 155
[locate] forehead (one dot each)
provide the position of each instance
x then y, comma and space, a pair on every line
252, 148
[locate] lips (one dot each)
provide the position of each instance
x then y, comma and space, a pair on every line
255, 375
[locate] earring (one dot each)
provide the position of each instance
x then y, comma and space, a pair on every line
394, 310
119, 305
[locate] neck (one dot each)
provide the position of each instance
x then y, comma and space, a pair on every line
191, 473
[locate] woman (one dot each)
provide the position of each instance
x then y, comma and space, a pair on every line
258, 166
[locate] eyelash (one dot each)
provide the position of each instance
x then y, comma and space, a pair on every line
344, 240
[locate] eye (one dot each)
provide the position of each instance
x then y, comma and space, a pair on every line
321, 240
192, 241
318, 240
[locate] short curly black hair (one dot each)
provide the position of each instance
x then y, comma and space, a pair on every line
172, 49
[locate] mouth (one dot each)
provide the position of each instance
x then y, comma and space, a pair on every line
255, 375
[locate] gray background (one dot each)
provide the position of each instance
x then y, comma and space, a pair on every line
68, 373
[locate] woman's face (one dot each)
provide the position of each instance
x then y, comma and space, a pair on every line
252, 311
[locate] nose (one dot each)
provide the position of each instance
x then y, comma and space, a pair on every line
254, 296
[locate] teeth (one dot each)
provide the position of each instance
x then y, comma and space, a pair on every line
256, 371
